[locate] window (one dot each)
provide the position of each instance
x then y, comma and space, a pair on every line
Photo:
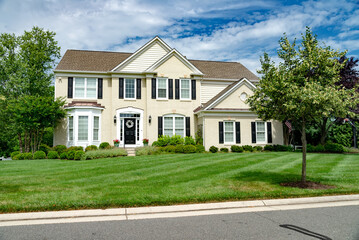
228, 132
85, 87
260, 132
83, 128
130, 86
96, 126
174, 125
185, 88
162, 88
244, 96
71, 128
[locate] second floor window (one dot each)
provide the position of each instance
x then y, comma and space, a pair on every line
261, 132
185, 88
85, 87
162, 88
130, 86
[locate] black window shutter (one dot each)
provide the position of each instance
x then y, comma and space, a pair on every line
99, 88
220, 132
177, 91
269, 132
160, 131
138, 88
238, 132
254, 139
188, 126
153, 88
170, 88
193, 89
70, 85
120, 88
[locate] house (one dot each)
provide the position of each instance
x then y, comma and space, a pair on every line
157, 91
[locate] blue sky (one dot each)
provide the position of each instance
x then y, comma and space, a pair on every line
211, 30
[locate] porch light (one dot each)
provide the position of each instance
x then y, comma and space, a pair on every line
149, 119
114, 119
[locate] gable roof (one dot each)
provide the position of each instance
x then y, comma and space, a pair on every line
223, 94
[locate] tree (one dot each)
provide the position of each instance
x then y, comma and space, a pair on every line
302, 87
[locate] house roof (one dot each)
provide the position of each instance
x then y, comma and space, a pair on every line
102, 61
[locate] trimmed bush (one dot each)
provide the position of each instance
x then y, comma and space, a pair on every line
39, 155
104, 153
91, 148
258, 148
148, 150
170, 149
213, 149
13, 154
19, 156
71, 155
63, 155
53, 155
75, 148
189, 141
282, 148
60, 148
28, 156
176, 140
248, 148
105, 145
334, 148
319, 148
78, 155
235, 148
268, 148
189, 149
179, 149
45, 148
224, 150
200, 148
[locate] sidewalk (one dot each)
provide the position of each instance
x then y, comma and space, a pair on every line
116, 214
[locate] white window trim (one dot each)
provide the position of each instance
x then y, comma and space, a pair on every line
135, 88
173, 123
85, 90
165, 98
90, 113
224, 132
93, 128
130, 110
68, 128
190, 89
265, 132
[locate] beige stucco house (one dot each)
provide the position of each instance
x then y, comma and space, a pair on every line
157, 91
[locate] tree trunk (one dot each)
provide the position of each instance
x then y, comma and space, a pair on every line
20, 142
323, 131
285, 134
304, 153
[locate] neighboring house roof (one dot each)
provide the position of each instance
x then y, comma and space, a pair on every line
210, 105
101, 61
83, 104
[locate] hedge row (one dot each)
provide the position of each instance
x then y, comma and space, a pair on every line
152, 150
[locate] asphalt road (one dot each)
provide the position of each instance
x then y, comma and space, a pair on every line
315, 223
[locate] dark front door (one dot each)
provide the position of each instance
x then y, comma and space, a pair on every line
130, 130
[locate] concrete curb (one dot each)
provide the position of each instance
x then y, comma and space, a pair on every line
180, 210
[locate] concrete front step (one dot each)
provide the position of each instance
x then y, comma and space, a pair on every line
131, 151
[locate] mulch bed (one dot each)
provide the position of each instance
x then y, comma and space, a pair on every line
308, 185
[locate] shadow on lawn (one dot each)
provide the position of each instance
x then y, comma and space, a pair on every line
268, 177
9, 188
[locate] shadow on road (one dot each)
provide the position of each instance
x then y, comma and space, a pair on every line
305, 231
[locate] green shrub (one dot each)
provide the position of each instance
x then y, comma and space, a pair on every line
282, 148
44, 148
189, 141
28, 156
147, 150
91, 148
104, 153
71, 155
176, 140
19, 156
162, 141
63, 155
310, 148
78, 155
179, 149
319, 148
258, 148
189, 149
199, 138
170, 149
53, 155
13, 154
248, 148
225, 150
105, 145
235, 148
268, 148
200, 148
334, 148
39, 155
75, 148
60, 148
213, 149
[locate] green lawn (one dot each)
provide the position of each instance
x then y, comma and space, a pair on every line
35, 185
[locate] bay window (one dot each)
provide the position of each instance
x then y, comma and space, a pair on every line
82, 128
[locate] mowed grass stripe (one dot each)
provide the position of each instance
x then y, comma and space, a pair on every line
167, 179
